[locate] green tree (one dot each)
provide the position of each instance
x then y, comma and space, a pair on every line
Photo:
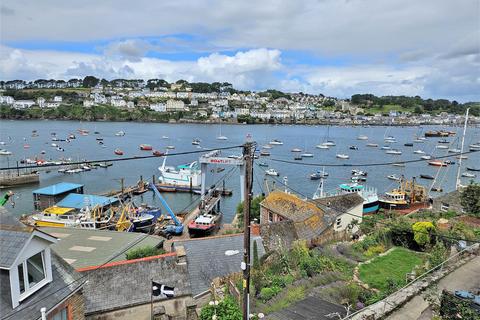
421, 232
90, 81
470, 199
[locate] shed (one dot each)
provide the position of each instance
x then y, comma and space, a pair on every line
48, 196
79, 201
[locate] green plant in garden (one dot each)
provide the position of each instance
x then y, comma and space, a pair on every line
421, 232
142, 252
227, 309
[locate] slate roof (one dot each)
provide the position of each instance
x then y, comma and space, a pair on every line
311, 308
105, 244
78, 201
58, 188
10, 244
65, 282
341, 203
128, 283
207, 260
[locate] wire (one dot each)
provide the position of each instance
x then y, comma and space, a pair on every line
109, 260
367, 164
119, 159
361, 217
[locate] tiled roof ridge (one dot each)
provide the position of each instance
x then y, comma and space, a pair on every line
123, 262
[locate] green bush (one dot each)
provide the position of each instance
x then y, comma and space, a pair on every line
269, 292
143, 252
227, 309
375, 250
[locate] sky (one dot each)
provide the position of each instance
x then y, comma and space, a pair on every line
338, 48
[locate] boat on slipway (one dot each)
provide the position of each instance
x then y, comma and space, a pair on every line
407, 193
185, 175
210, 217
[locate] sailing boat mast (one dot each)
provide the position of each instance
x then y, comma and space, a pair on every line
457, 184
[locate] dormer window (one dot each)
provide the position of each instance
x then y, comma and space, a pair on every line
32, 274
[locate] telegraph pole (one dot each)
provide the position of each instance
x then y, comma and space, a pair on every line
248, 158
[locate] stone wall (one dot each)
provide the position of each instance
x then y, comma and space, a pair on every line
452, 200
75, 305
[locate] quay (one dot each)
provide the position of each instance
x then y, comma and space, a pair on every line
13, 179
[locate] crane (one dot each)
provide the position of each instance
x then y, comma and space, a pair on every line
177, 227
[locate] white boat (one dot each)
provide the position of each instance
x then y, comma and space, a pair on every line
372, 145
393, 151
170, 147
399, 164
463, 157
120, 133
362, 137
222, 138
393, 177
386, 148
271, 172
426, 157
343, 156
4, 152
307, 155
441, 147
196, 142
185, 175
329, 143
390, 139
267, 146
54, 145
468, 175
474, 147
296, 150
419, 152
454, 150
165, 137
418, 140
322, 146
276, 142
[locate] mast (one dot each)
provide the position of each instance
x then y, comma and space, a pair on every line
457, 184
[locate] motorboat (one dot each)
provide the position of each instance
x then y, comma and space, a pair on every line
267, 146
222, 137
419, 152
307, 155
265, 153
408, 144
427, 176
165, 137
271, 172
357, 172
263, 164
322, 146
329, 143
204, 224
473, 169
196, 142
120, 133
393, 151
474, 147
4, 152
426, 157
342, 156
441, 147
393, 177
386, 148
353, 148
437, 163
296, 150
468, 175
443, 141
362, 137
399, 164
118, 152
158, 153
318, 175
276, 142
146, 147
358, 179
372, 145
170, 147
454, 150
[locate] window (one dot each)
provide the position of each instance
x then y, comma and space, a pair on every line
444, 207
339, 222
61, 315
31, 272
270, 217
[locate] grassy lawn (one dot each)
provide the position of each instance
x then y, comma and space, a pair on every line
395, 265
387, 108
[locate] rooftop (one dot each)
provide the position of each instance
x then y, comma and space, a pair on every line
83, 248
58, 188
209, 258
341, 203
290, 206
79, 201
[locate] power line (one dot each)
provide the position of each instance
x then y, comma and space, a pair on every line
377, 221
367, 164
119, 159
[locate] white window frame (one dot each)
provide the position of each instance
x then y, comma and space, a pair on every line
444, 207
30, 290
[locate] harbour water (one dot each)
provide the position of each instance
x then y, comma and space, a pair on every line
16, 134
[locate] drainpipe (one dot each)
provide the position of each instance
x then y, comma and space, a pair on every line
43, 311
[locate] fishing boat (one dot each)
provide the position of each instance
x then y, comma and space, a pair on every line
402, 197
372, 145
271, 172
319, 175
263, 164
296, 150
276, 142
434, 133
120, 133
362, 137
158, 153
353, 148
342, 156
204, 224
118, 152
369, 195
427, 176
393, 151
419, 152
146, 147
437, 163
265, 153
468, 175
185, 175
393, 177
196, 142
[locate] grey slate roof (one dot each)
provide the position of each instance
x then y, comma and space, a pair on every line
61, 287
311, 308
106, 245
125, 284
341, 203
11, 242
207, 260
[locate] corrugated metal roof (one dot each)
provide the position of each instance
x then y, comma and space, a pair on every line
79, 201
58, 188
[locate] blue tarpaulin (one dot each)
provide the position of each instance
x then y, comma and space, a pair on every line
79, 201
58, 188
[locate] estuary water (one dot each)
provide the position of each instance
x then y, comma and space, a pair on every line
17, 134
